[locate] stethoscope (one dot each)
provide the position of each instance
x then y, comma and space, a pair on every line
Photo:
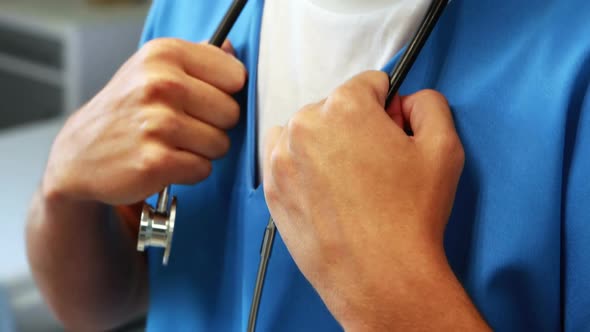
157, 223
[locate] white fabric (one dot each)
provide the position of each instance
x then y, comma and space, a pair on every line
309, 47
352, 6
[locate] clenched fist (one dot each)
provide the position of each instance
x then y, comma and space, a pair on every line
362, 206
161, 120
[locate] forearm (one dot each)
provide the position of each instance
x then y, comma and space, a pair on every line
85, 263
429, 298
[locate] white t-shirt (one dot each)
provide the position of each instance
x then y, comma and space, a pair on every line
310, 47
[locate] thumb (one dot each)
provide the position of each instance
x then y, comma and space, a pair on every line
428, 114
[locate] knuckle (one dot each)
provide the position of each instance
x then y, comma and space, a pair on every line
203, 169
148, 125
298, 126
223, 144
158, 123
377, 76
159, 49
342, 99
339, 98
449, 146
150, 48
460, 156
270, 192
233, 115
158, 88
194, 172
237, 80
309, 108
214, 143
434, 95
368, 80
150, 161
280, 164
168, 123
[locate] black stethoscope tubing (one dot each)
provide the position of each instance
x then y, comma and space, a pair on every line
396, 78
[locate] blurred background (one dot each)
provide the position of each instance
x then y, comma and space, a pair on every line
54, 56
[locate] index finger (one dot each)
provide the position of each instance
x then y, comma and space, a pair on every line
214, 66
428, 114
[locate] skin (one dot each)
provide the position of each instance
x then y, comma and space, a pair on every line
160, 120
362, 206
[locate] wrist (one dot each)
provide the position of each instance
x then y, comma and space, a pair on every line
56, 197
429, 298
58, 185
401, 294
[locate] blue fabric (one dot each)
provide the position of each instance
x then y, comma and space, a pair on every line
517, 76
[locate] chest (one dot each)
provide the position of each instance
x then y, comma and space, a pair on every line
510, 110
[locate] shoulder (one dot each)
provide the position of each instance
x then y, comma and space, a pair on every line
548, 30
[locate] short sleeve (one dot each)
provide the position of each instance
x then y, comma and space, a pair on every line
151, 22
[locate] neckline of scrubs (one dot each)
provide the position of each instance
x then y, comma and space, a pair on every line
427, 73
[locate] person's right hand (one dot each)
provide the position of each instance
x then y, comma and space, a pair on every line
161, 120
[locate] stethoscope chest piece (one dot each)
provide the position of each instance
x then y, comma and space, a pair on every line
156, 226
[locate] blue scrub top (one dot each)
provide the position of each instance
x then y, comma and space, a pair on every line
517, 75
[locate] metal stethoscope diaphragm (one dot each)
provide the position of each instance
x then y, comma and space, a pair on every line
156, 226
157, 223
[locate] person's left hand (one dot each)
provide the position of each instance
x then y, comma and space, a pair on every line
362, 206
